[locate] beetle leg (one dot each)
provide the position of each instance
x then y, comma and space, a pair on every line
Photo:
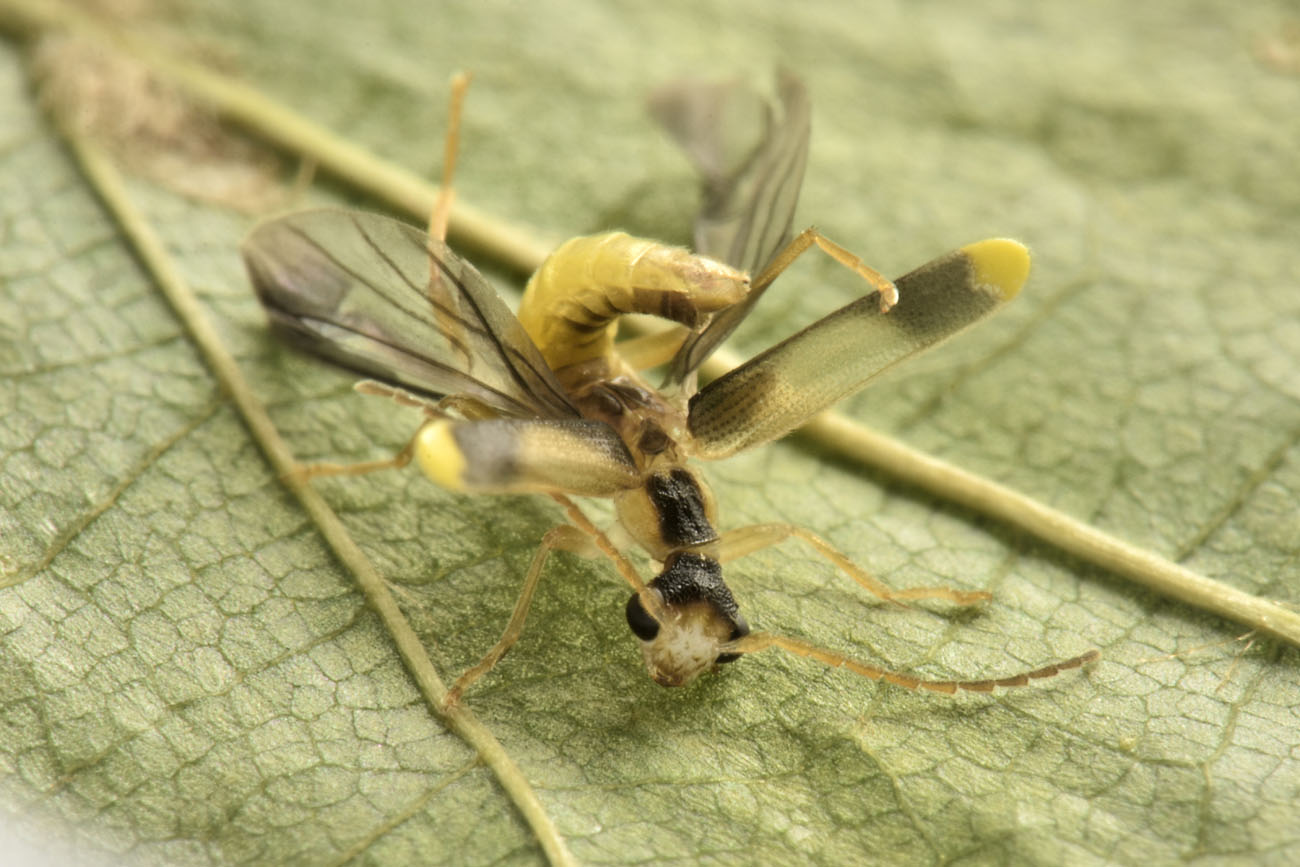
737, 543
400, 396
446, 192
562, 538
757, 641
649, 600
466, 405
807, 238
439, 295
581, 537
306, 472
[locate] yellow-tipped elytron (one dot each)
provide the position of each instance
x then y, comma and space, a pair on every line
547, 401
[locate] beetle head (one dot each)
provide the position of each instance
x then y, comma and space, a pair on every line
700, 616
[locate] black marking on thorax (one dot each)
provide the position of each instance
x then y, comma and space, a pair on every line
678, 501
691, 578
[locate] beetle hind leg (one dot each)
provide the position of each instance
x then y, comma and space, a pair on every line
807, 238
746, 540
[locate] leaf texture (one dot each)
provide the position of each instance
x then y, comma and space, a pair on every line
188, 677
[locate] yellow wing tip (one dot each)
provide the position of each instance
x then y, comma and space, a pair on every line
999, 264
439, 455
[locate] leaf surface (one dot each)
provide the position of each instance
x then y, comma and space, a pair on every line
188, 676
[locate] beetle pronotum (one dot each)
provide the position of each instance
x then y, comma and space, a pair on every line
547, 401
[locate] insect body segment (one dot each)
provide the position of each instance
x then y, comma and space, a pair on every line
672, 511
571, 305
703, 617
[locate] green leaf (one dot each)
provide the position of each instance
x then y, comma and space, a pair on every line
188, 675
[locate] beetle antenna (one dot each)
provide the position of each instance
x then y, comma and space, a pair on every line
757, 641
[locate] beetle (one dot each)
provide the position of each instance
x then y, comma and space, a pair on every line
546, 400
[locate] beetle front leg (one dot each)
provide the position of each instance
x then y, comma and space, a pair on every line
561, 538
737, 543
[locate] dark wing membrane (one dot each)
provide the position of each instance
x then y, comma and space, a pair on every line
751, 162
379, 297
775, 392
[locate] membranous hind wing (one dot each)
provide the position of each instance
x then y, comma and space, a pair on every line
381, 298
751, 159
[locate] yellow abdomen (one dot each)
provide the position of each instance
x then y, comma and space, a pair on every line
572, 303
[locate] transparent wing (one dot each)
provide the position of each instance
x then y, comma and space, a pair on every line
775, 392
751, 160
381, 298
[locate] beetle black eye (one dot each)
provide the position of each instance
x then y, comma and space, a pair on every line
642, 624
741, 630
